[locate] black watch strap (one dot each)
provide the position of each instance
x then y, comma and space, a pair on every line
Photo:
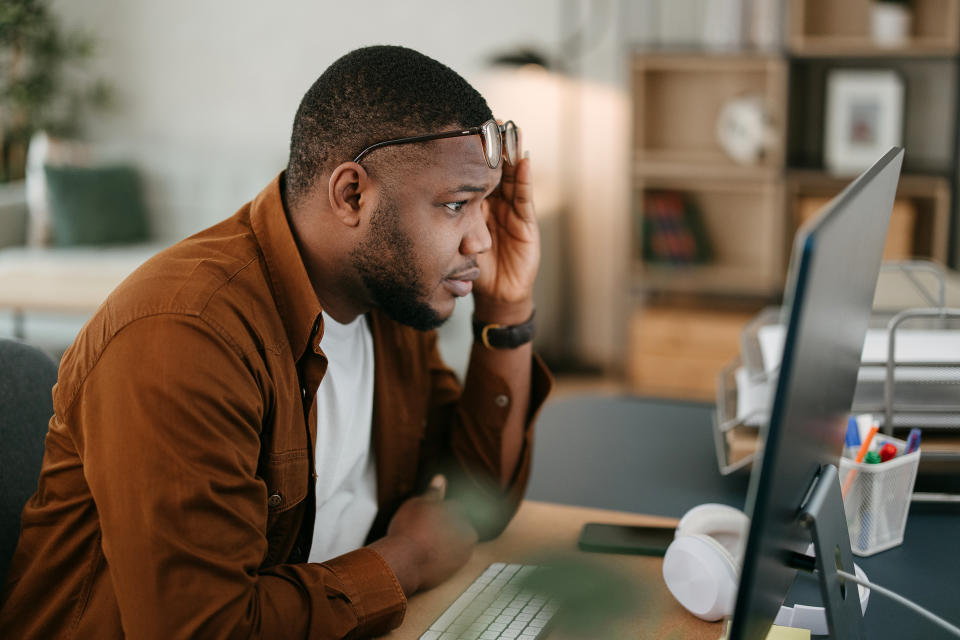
498, 336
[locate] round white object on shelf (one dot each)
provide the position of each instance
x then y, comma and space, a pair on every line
744, 129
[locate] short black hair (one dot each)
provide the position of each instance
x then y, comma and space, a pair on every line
372, 94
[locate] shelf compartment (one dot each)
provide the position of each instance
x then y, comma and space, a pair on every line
744, 223
928, 235
928, 133
678, 100
835, 28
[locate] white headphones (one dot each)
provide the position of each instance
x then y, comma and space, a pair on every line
702, 568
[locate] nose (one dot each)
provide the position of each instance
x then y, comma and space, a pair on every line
477, 239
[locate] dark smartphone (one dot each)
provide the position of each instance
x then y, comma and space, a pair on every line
618, 538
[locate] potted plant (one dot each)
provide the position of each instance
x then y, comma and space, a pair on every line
42, 85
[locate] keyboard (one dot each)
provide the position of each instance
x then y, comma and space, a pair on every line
495, 606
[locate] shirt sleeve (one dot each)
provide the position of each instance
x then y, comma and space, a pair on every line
464, 438
168, 427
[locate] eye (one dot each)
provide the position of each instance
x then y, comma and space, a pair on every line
455, 207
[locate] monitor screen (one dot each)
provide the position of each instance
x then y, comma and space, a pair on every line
827, 302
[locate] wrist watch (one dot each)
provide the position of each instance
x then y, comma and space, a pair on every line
500, 336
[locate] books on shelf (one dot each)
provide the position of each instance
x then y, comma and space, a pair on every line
672, 230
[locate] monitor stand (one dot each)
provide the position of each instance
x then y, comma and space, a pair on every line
824, 516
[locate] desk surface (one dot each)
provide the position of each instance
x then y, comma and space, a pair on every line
541, 529
630, 454
657, 457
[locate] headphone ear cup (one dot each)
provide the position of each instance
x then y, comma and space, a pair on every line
726, 525
702, 575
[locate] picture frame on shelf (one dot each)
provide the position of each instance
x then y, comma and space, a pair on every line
863, 118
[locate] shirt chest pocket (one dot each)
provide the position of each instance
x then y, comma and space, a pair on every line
287, 475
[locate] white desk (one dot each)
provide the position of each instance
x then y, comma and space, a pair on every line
65, 280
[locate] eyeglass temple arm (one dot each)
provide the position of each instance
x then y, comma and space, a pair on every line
433, 136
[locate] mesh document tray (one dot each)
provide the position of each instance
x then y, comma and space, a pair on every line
919, 386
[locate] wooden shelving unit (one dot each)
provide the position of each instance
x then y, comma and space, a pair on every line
825, 34
678, 99
676, 349
750, 213
840, 28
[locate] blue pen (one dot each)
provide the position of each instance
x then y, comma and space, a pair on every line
853, 433
913, 440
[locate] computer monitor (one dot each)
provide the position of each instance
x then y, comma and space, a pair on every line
827, 303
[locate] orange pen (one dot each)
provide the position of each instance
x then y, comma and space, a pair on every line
861, 454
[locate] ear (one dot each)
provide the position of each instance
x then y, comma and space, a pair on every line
350, 191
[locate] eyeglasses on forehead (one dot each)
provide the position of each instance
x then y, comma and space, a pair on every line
498, 141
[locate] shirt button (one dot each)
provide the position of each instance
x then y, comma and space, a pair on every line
501, 400
303, 392
275, 500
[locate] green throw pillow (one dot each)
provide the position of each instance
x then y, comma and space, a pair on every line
95, 205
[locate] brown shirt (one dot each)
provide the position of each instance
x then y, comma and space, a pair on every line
176, 496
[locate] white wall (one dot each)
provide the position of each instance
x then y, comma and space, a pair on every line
207, 89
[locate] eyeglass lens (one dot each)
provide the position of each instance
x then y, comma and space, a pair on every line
491, 144
511, 142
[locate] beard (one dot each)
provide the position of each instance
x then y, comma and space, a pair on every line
386, 263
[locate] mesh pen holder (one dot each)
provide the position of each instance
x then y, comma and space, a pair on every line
878, 498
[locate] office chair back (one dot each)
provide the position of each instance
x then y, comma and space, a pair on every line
26, 404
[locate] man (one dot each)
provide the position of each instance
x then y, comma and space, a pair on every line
244, 431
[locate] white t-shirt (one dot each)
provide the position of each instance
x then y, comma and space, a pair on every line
346, 477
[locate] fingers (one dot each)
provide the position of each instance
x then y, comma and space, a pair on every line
522, 198
524, 185
437, 489
526, 154
516, 187
508, 180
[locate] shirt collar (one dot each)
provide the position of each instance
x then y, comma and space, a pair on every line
296, 300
